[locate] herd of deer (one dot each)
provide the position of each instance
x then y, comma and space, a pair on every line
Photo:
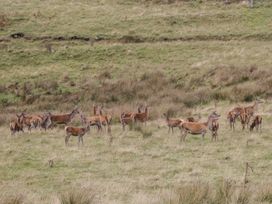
98, 119
192, 126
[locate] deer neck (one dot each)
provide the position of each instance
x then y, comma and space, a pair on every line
72, 114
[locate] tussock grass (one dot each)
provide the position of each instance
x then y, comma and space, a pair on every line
6, 198
134, 169
77, 196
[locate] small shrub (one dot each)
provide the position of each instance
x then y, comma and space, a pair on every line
265, 194
12, 199
79, 196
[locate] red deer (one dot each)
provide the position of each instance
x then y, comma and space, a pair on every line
191, 119
65, 118
77, 132
27, 121
127, 118
141, 117
46, 121
244, 118
232, 115
16, 125
197, 128
214, 129
104, 119
95, 119
128, 114
246, 113
250, 110
257, 123
172, 122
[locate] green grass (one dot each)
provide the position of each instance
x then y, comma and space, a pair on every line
131, 165
191, 54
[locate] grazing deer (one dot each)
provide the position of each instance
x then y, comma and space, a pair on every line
77, 132
16, 125
257, 123
172, 122
197, 128
141, 117
65, 118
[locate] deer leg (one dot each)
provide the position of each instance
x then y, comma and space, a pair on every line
67, 139
203, 135
183, 135
172, 130
123, 125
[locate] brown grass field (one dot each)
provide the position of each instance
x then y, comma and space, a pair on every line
184, 57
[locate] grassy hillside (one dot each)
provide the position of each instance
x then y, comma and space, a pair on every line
203, 52
185, 58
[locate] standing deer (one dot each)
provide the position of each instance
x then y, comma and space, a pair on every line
141, 117
77, 132
65, 118
127, 118
197, 128
232, 115
16, 125
105, 120
214, 129
46, 121
172, 122
257, 123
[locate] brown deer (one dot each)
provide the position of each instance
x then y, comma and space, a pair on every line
141, 117
250, 111
27, 121
105, 120
172, 122
232, 115
77, 132
46, 121
214, 129
128, 114
197, 128
15, 125
95, 119
127, 118
191, 119
65, 118
257, 123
